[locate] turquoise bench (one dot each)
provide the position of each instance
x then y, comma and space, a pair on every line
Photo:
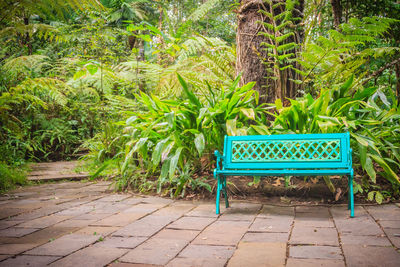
284, 155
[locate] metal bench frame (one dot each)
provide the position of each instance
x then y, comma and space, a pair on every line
285, 155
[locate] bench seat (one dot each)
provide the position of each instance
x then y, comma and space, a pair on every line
285, 155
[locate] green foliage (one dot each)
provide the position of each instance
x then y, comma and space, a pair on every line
280, 29
372, 118
10, 177
169, 137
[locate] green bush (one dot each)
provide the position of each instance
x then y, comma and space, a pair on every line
10, 177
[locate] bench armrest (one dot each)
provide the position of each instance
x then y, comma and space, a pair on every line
218, 164
351, 158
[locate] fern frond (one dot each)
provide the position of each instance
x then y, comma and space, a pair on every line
202, 10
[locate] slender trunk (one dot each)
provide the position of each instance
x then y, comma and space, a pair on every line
27, 40
337, 13
397, 67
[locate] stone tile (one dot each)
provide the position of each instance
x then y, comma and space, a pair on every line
205, 210
155, 251
241, 211
315, 252
275, 224
93, 216
270, 211
358, 226
146, 226
75, 211
317, 210
75, 223
364, 240
393, 235
191, 223
39, 213
305, 219
266, 237
175, 210
144, 208
90, 256
207, 252
133, 200
43, 236
120, 219
115, 197
3, 257
64, 245
124, 264
314, 236
196, 262
293, 262
13, 249
384, 212
259, 254
97, 230
121, 242
26, 260
187, 235
161, 248
6, 224
389, 224
341, 212
44, 222
371, 256
17, 231
9, 212
226, 233
157, 200
111, 208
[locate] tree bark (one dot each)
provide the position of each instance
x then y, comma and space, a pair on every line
251, 58
337, 13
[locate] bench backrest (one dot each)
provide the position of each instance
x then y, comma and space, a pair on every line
289, 151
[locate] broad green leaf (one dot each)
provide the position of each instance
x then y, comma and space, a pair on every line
231, 127
193, 99
278, 104
391, 174
92, 68
346, 86
199, 143
166, 150
174, 162
363, 154
79, 74
261, 129
378, 197
248, 112
156, 156
371, 195
369, 167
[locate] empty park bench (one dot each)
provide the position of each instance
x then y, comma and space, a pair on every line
285, 155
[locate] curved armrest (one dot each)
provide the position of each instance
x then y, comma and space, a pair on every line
218, 165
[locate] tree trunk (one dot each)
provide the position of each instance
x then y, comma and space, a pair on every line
249, 57
337, 13
253, 60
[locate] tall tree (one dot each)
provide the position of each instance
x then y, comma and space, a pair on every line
268, 39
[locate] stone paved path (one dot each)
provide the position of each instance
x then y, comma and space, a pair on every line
59, 170
81, 224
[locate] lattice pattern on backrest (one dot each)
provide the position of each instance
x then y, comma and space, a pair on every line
286, 150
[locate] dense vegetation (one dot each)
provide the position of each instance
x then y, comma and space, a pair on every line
147, 89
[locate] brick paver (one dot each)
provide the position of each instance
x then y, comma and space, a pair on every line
82, 224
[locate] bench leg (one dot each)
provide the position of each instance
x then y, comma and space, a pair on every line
225, 193
218, 195
351, 195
